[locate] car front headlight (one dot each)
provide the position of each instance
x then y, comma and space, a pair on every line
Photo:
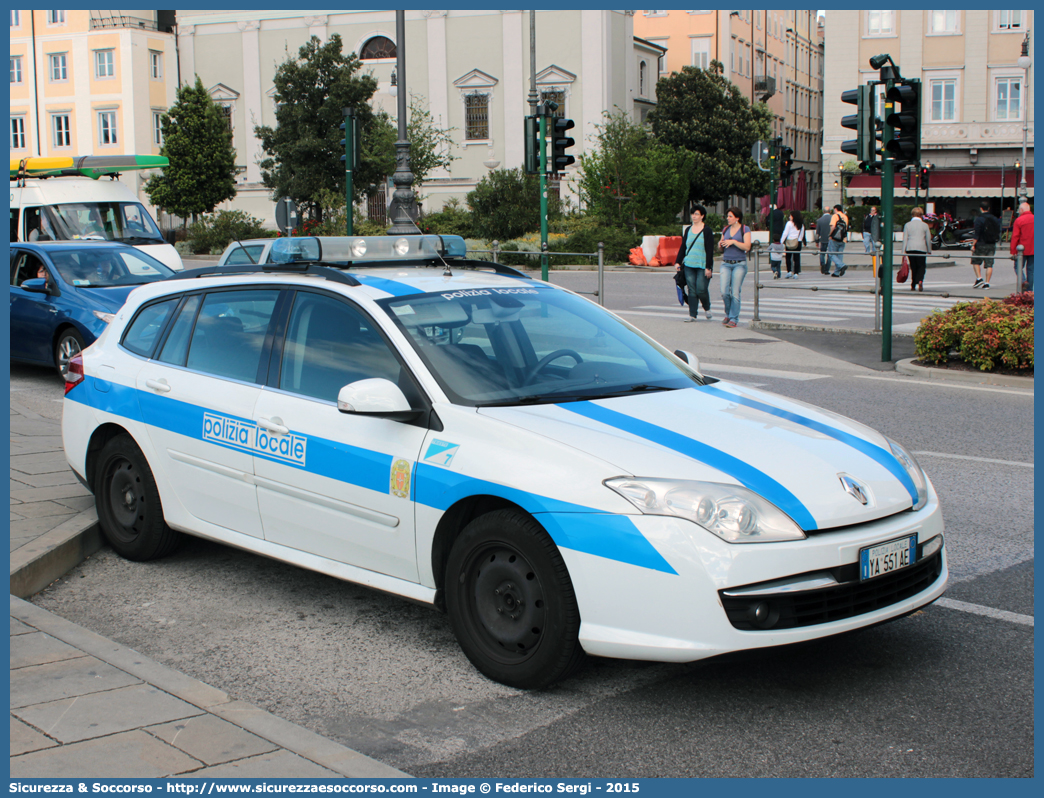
916, 473
734, 514
106, 317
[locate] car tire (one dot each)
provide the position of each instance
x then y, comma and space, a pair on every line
511, 603
129, 510
69, 344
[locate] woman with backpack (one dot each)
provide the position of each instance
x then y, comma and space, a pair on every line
793, 242
984, 245
696, 260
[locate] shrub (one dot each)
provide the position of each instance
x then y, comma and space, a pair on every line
1024, 299
506, 204
985, 334
215, 231
618, 242
452, 220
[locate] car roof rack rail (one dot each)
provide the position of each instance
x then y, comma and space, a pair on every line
332, 274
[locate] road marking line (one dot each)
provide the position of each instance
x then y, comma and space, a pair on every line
989, 612
944, 384
976, 459
782, 375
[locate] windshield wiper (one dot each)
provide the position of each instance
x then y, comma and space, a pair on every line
141, 240
553, 398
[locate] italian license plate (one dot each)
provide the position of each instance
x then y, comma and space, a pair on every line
887, 557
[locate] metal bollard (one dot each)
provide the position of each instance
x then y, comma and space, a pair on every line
1019, 255
601, 274
757, 278
496, 251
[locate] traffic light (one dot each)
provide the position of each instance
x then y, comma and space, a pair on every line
533, 145
560, 142
786, 165
864, 123
905, 119
907, 175
925, 170
356, 152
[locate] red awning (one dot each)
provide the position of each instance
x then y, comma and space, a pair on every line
971, 183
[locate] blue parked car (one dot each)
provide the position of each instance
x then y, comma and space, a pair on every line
64, 293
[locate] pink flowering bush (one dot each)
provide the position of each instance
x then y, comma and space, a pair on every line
985, 334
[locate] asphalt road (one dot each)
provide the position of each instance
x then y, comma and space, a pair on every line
947, 691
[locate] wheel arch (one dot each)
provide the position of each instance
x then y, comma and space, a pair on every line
100, 437
452, 523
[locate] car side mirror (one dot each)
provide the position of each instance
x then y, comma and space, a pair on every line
376, 397
37, 285
690, 358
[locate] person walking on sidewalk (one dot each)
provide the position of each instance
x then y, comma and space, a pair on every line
917, 243
1022, 233
793, 241
984, 245
871, 231
735, 243
697, 262
822, 238
836, 241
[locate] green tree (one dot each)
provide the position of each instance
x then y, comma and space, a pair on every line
506, 204
700, 111
630, 175
303, 151
198, 142
430, 145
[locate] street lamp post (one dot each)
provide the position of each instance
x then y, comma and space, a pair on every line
404, 201
1024, 64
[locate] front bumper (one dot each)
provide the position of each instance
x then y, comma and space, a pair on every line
706, 608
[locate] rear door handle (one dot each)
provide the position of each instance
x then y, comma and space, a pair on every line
274, 424
158, 385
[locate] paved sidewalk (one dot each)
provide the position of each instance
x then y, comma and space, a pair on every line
84, 706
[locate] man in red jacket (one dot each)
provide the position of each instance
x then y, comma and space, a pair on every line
1022, 233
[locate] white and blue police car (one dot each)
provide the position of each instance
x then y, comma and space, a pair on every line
391, 413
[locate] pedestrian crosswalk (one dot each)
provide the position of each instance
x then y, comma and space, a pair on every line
831, 304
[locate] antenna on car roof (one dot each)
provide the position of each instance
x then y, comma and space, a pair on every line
246, 251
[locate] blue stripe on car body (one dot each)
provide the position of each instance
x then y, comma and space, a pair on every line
745, 474
571, 526
393, 287
874, 452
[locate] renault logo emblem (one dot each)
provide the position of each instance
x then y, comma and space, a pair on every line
858, 492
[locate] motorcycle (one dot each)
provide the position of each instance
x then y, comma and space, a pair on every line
949, 233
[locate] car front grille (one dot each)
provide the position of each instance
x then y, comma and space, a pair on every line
849, 599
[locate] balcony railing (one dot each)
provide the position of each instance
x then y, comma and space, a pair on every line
99, 23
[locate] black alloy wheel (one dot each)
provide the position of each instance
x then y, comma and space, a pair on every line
511, 602
129, 510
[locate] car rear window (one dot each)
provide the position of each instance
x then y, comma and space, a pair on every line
142, 333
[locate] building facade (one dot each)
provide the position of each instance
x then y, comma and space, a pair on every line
976, 103
91, 83
775, 57
472, 67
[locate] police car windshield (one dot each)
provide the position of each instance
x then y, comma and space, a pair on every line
530, 344
127, 222
103, 266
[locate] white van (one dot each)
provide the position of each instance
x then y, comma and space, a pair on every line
64, 208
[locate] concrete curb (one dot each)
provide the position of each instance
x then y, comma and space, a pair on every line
909, 368
776, 325
49, 557
284, 734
